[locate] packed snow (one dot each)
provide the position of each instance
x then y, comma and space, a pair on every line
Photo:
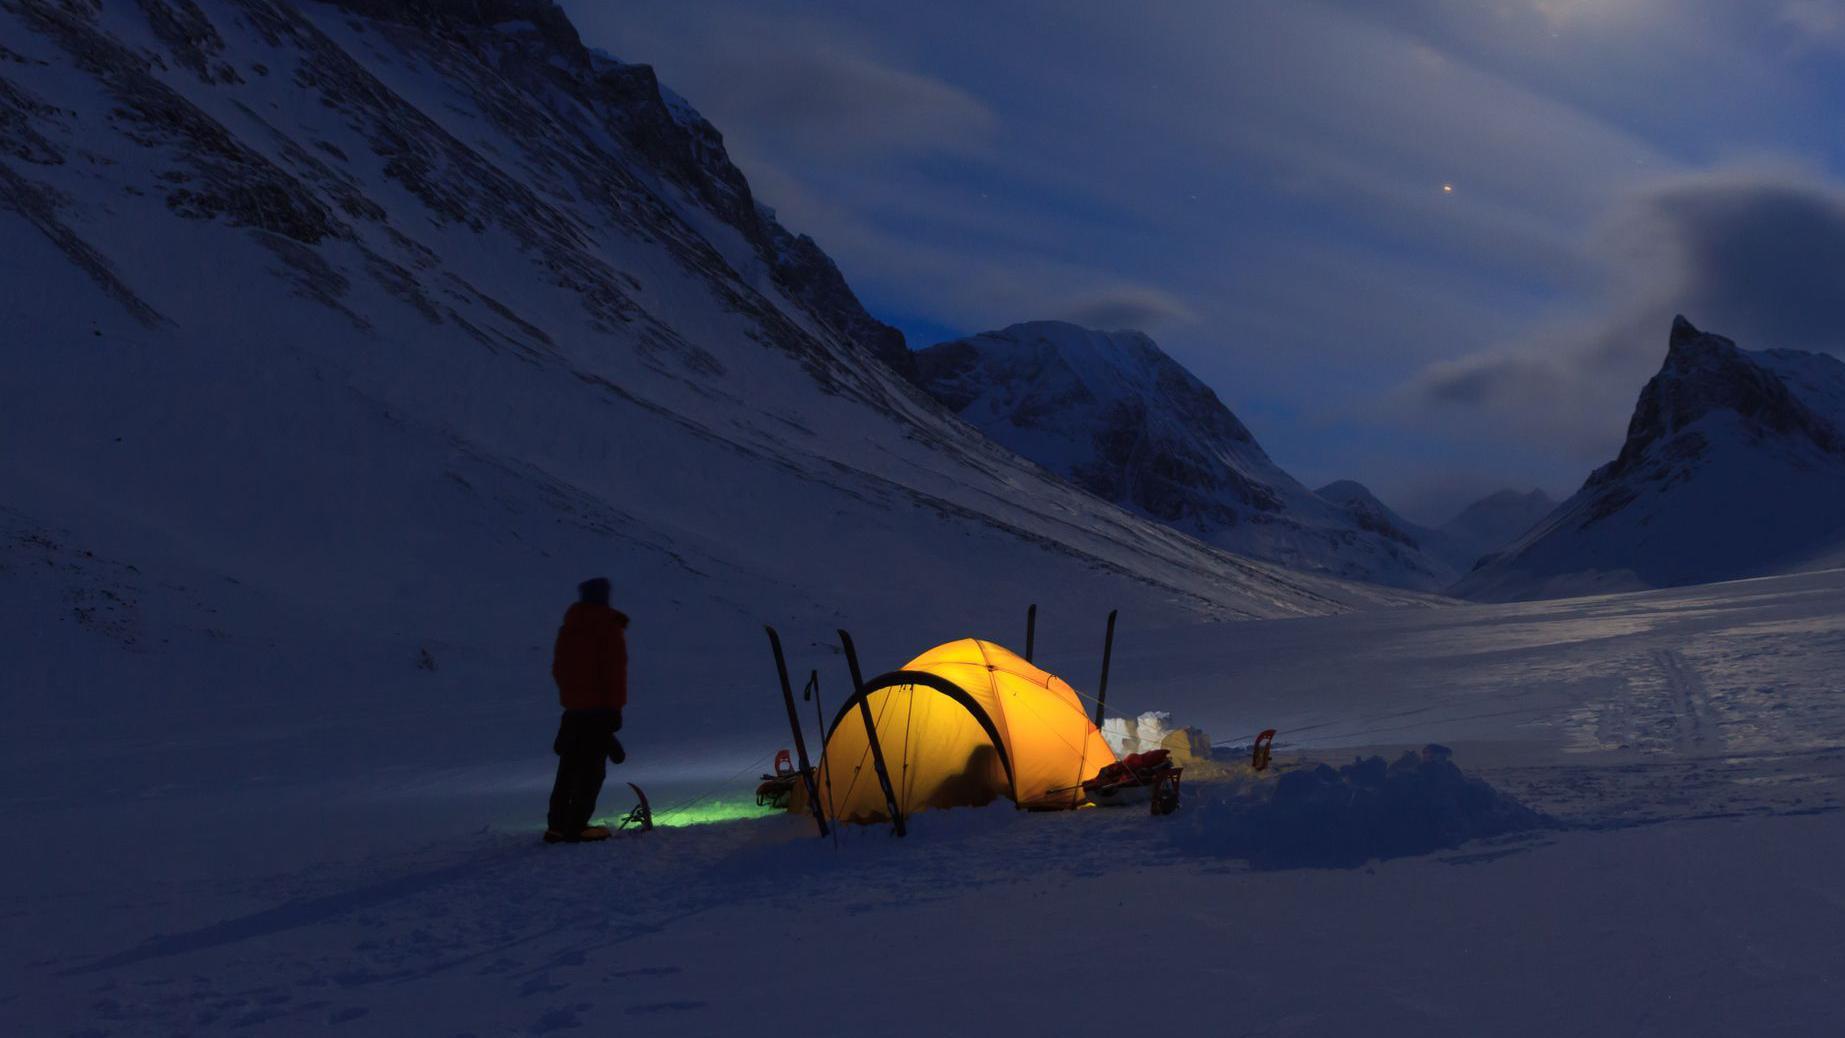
344, 338
1647, 787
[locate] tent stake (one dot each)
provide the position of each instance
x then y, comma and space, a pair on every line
1031, 630
871, 733
1108, 650
794, 724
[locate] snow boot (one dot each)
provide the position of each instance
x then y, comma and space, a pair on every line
589, 834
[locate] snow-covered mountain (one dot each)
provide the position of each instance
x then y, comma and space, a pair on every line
1111, 412
1734, 466
1493, 522
1371, 513
346, 337
1479, 529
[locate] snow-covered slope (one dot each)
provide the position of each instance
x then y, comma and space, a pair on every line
1691, 741
1115, 415
1493, 522
1373, 514
1734, 466
1479, 529
344, 338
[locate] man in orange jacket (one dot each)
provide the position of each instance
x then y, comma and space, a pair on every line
590, 666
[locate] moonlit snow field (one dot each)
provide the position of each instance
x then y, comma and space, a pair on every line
1686, 746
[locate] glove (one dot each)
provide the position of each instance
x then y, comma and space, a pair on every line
616, 753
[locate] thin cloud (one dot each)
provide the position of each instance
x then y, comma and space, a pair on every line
1128, 307
1819, 21
795, 83
844, 104
1755, 254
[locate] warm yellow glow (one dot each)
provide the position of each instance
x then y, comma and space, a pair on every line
1447, 189
939, 755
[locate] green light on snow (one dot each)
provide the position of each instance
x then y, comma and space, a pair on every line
706, 812
713, 811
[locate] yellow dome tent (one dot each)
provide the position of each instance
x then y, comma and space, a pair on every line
961, 725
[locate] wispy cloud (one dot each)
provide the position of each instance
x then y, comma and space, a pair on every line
1756, 253
1819, 21
1262, 184
1126, 306
796, 83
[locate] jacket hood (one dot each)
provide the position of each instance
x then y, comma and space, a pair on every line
579, 612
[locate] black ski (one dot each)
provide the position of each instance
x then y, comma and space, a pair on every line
871, 733
1108, 651
1031, 630
812, 691
794, 724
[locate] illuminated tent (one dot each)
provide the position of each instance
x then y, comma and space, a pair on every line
961, 725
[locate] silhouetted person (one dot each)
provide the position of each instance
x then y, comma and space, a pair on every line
590, 665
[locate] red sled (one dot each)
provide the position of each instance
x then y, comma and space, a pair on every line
1149, 778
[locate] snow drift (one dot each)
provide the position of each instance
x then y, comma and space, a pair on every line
1344, 817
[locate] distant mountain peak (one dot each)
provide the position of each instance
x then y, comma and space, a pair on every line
1370, 512
1495, 521
1114, 414
1733, 466
1346, 488
1705, 373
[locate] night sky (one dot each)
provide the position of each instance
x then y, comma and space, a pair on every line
1433, 246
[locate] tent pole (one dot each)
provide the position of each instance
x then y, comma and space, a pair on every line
794, 724
871, 733
1031, 630
1108, 650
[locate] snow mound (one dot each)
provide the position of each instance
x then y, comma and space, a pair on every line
1343, 817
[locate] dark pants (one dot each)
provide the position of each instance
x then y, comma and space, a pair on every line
582, 747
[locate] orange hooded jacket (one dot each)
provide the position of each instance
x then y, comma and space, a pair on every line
590, 663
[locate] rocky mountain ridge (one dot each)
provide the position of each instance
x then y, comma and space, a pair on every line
1733, 466
1114, 414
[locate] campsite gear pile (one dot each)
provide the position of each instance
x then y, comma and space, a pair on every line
964, 724
970, 722
1150, 778
774, 790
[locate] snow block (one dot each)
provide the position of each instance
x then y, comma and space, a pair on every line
1329, 817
